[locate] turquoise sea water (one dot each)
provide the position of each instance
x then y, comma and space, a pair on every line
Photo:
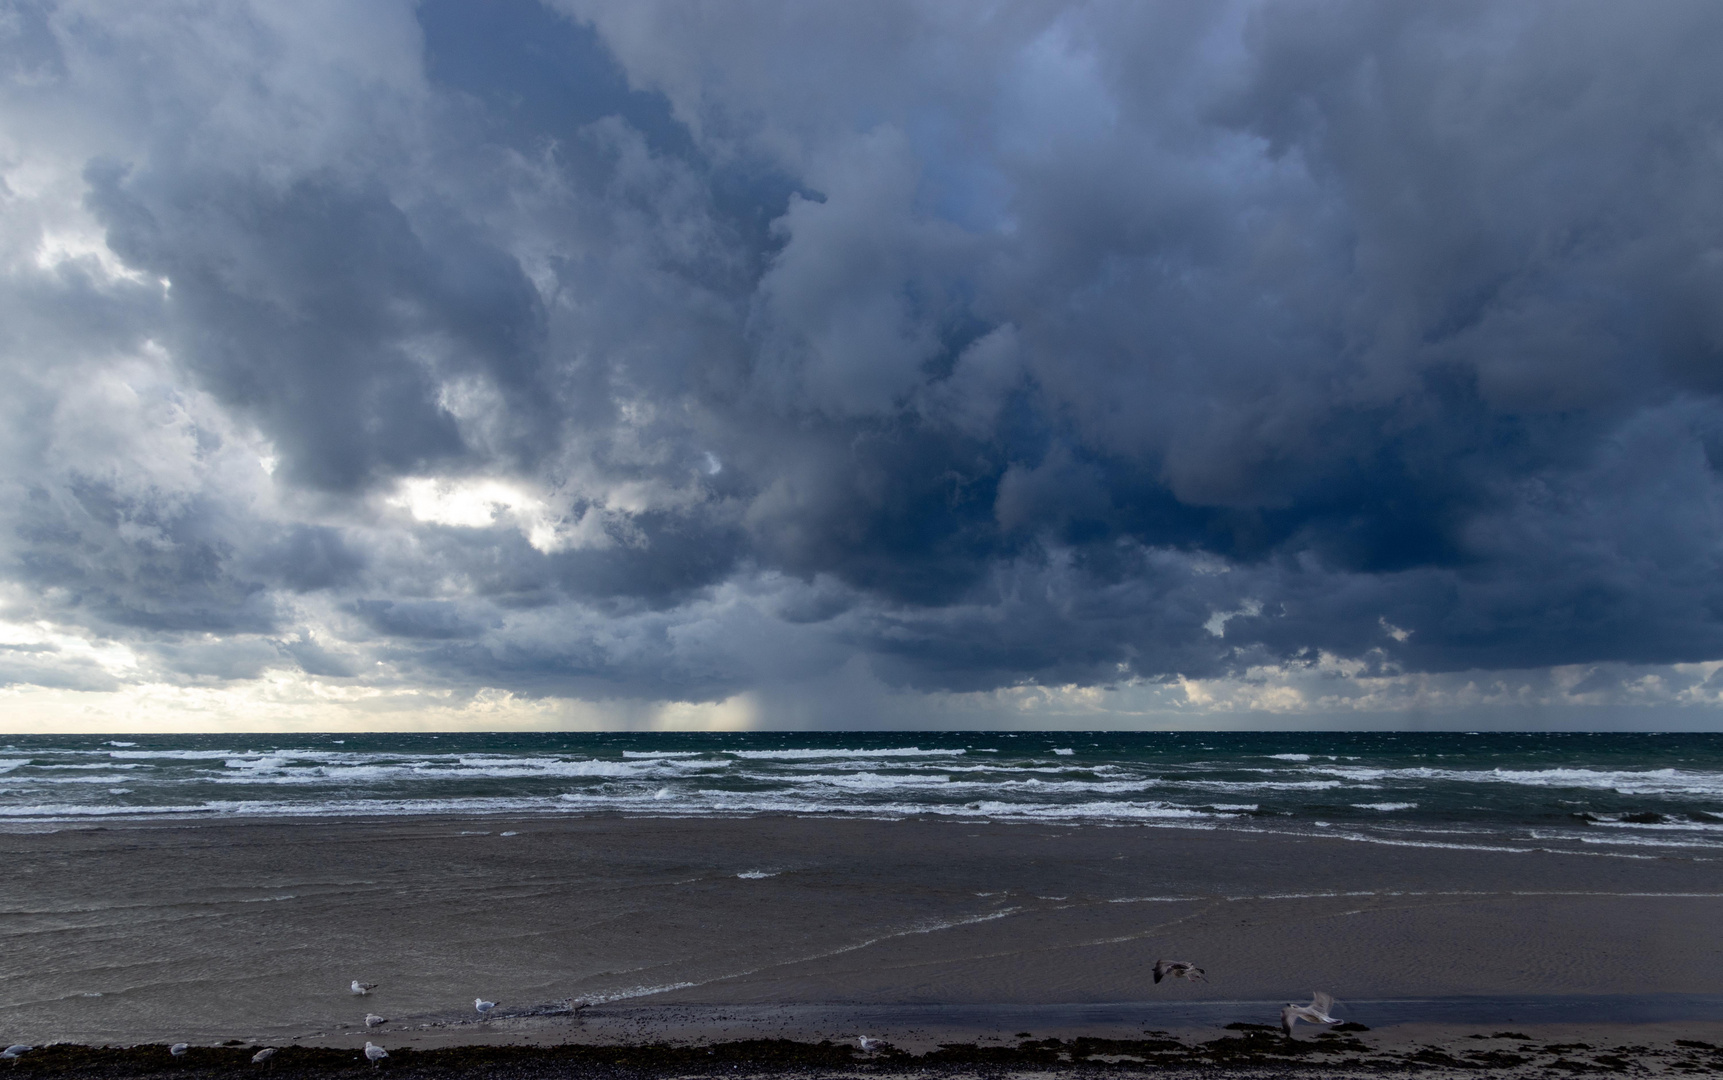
1604, 792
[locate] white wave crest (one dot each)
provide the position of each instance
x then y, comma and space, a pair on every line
1624, 781
795, 755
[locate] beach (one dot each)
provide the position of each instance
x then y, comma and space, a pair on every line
681, 931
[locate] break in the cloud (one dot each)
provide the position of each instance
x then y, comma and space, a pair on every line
884, 363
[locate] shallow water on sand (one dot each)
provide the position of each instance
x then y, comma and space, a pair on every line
252, 929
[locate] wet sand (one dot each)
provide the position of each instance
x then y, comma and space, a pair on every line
691, 932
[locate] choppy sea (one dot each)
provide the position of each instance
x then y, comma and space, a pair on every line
1609, 793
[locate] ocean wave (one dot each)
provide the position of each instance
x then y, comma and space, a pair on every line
437, 772
1630, 841
166, 755
888, 782
1396, 792
1005, 768
793, 755
873, 781
1274, 785
1625, 781
1666, 825
261, 808
37, 781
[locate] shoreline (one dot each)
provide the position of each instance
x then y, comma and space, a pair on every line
1480, 840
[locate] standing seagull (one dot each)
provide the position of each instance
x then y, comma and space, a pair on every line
362, 988
1178, 969
484, 1007
1314, 1013
373, 1020
870, 1044
179, 1049
374, 1053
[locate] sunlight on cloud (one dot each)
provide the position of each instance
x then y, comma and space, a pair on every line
485, 503
76, 245
43, 639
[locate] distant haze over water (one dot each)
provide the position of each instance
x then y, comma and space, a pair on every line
1614, 794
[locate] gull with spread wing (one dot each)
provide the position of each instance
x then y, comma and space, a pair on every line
1314, 1013
1178, 969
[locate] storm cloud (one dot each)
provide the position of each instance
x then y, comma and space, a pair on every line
677, 351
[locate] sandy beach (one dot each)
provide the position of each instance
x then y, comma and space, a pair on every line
680, 932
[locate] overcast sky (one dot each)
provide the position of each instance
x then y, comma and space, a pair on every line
489, 363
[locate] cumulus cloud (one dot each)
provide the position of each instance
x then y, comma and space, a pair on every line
896, 353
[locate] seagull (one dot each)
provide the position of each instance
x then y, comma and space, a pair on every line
374, 1053
179, 1049
373, 1020
263, 1055
870, 1044
16, 1050
1314, 1013
1178, 969
484, 1006
362, 988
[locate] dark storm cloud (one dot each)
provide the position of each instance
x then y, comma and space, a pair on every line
325, 313
1046, 343
138, 562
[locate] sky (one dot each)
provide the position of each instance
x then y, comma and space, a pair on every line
505, 364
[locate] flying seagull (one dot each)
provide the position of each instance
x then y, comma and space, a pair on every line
1178, 969
362, 988
16, 1050
373, 1020
263, 1055
484, 1006
1314, 1013
374, 1053
179, 1049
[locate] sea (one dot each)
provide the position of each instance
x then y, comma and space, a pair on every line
1633, 795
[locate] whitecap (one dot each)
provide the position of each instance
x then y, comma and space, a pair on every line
791, 755
1627, 782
